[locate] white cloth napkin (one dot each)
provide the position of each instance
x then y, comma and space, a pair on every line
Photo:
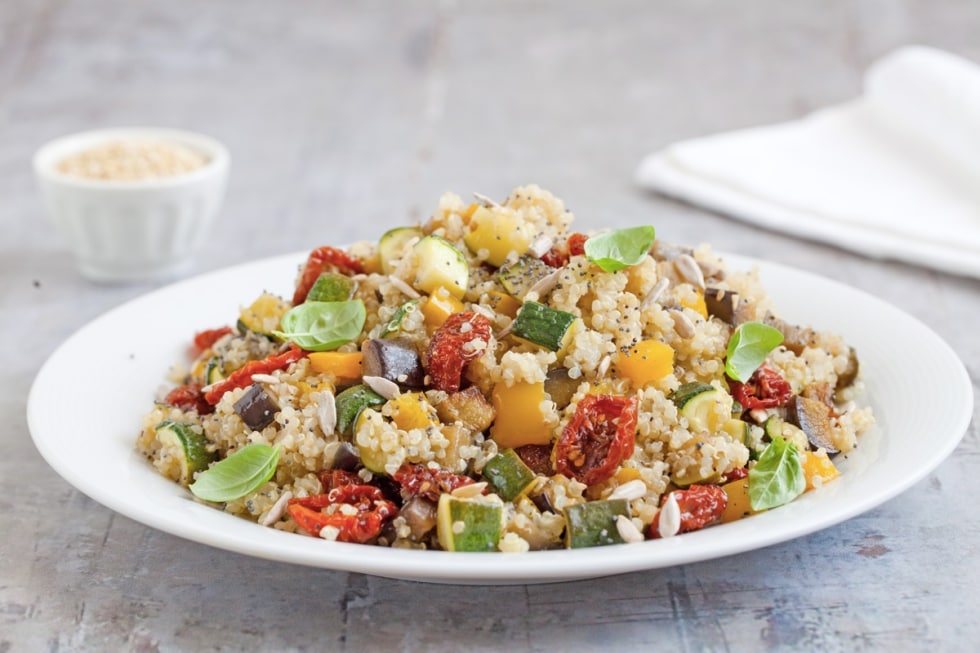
892, 174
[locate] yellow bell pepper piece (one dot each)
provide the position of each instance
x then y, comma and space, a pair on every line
697, 304
438, 306
263, 315
738, 501
372, 265
627, 474
345, 367
503, 303
411, 410
499, 234
818, 469
647, 361
519, 417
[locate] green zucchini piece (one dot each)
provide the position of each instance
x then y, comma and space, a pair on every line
508, 475
594, 523
472, 524
214, 372
518, 277
441, 265
776, 427
688, 391
332, 287
391, 246
350, 403
696, 401
543, 325
189, 447
395, 323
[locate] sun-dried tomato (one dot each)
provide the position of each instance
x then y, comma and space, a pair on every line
331, 478
362, 525
599, 437
537, 457
205, 339
764, 389
736, 474
557, 256
701, 505
460, 339
576, 244
189, 397
242, 377
317, 263
419, 480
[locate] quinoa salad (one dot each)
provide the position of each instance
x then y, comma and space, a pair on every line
493, 380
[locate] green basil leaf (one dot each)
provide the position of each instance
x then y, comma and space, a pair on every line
322, 326
778, 476
748, 347
395, 323
620, 248
242, 472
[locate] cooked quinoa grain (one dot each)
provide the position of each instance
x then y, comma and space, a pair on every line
484, 382
132, 160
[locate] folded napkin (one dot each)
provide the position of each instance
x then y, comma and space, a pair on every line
892, 174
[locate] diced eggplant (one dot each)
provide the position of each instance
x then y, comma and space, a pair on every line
395, 359
468, 407
420, 516
795, 338
813, 418
821, 392
721, 304
560, 387
542, 502
342, 455
256, 407
849, 375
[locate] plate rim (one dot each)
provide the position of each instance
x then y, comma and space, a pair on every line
444, 567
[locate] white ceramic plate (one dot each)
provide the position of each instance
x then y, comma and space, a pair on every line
125, 354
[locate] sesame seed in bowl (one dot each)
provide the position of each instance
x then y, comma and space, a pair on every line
132, 203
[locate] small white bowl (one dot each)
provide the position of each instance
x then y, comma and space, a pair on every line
133, 230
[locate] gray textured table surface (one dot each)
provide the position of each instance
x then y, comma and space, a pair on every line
344, 120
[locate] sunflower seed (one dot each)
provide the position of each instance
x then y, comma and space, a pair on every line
629, 490
628, 530
486, 201
384, 387
670, 517
545, 284
469, 491
326, 411
689, 270
276, 511
403, 287
655, 293
682, 324
264, 378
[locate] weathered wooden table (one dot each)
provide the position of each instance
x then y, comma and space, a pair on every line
344, 120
